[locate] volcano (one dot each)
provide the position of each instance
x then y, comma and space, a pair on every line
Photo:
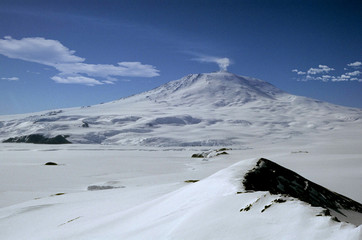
214, 109
216, 89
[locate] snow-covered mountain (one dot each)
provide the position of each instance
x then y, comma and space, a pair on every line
217, 89
148, 166
214, 109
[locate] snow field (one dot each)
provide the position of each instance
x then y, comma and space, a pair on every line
156, 202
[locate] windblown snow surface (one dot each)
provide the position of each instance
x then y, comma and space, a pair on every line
129, 173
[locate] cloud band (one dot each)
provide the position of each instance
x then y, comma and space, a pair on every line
72, 68
322, 73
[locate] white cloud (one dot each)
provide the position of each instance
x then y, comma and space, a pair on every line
10, 78
137, 69
222, 62
108, 82
71, 67
39, 50
123, 69
345, 76
299, 72
76, 80
354, 73
324, 78
356, 64
316, 74
342, 78
319, 70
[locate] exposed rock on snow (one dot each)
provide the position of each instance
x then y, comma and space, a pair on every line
39, 139
191, 181
211, 153
51, 164
269, 176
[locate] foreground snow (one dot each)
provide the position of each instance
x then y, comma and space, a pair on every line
151, 199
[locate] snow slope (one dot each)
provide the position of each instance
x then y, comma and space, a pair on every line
155, 202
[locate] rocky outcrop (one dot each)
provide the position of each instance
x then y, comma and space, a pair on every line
38, 139
269, 176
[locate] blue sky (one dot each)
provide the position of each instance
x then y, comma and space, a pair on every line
57, 54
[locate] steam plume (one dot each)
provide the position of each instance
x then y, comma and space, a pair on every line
222, 62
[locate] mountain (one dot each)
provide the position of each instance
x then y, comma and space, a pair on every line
214, 109
217, 89
289, 166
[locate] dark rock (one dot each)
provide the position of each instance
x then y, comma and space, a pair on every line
191, 181
279, 200
247, 208
57, 194
211, 153
269, 176
325, 212
223, 149
38, 139
221, 153
266, 207
197, 155
51, 164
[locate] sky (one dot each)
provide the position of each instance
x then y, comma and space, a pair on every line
59, 54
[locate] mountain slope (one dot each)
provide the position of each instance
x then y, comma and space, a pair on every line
217, 89
214, 109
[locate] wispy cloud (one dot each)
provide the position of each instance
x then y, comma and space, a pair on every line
223, 63
354, 73
10, 78
72, 69
76, 80
122, 69
299, 72
39, 50
319, 74
319, 70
